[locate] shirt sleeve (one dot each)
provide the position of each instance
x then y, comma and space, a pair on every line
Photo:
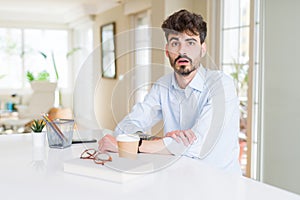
143, 115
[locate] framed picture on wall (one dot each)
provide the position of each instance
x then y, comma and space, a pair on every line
108, 52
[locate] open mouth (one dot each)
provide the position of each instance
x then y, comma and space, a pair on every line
182, 61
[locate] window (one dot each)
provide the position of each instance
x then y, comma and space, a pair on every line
240, 58
22, 50
255, 106
235, 33
11, 70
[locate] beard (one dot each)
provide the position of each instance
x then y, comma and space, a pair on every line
183, 69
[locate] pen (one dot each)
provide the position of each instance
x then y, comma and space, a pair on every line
54, 127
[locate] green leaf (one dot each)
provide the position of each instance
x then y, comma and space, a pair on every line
72, 51
43, 54
43, 76
54, 65
38, 125
30, 76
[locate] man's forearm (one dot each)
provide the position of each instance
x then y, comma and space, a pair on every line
153, 146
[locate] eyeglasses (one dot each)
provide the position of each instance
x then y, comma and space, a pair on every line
98, 157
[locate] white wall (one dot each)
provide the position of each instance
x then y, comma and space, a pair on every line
281, 120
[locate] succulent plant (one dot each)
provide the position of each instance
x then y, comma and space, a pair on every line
37, 126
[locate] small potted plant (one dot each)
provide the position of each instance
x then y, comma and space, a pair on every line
38, 135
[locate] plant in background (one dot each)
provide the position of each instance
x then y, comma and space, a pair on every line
69, 53
37, 125
41, 76
44, 75
240, 76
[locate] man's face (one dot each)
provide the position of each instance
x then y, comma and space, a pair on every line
184, 52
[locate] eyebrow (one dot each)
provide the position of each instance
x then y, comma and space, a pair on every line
189, 39
173, 38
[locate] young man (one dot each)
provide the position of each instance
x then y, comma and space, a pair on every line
199, 106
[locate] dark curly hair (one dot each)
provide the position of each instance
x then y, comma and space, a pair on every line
184, 20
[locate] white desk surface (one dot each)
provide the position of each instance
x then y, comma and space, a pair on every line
37, 173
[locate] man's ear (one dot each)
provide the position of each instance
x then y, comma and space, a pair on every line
203, 49
166, 50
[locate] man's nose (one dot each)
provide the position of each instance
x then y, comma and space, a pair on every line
182, 49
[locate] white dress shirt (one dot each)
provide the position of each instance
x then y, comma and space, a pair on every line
208, 106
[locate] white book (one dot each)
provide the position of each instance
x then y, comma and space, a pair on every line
119, 170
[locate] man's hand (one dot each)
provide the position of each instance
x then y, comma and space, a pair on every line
108, 143
186, 136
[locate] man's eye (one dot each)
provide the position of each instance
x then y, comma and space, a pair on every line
191, 43
174, 44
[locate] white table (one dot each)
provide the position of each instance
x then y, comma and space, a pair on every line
37, 173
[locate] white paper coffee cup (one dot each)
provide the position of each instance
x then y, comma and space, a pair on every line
128, 145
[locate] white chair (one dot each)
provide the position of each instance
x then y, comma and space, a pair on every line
41, 100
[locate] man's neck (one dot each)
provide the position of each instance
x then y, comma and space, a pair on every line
184, 81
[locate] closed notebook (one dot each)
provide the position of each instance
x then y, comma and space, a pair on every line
119, 170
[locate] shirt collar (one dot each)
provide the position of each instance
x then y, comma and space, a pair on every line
197, 83
174, 82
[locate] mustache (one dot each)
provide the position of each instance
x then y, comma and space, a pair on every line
182, 56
